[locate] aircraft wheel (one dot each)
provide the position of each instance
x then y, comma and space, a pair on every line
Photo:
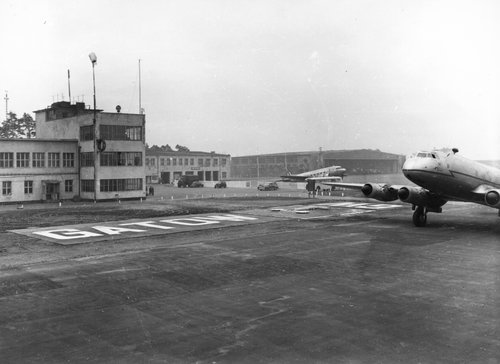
420, 217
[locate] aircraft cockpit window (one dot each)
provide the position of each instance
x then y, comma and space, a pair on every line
433, 155
422, 155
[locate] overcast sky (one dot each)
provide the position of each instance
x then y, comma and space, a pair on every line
260, 76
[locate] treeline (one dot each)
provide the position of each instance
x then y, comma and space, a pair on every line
14, 127
166, 148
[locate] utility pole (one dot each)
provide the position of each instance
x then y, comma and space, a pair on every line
6, 98
93, 59
140, 91
69, 87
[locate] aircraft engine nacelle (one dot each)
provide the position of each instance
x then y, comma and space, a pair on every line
420, 197
379, 192
492, 198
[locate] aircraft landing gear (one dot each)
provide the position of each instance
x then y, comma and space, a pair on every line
420, 216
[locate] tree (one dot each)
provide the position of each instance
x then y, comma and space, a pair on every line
155, 148
181, 148
18, 128
27, 126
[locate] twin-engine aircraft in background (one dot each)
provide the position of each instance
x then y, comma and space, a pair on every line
329, 174
441, 177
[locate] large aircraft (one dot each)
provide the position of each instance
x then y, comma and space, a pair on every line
330, 174
441, 177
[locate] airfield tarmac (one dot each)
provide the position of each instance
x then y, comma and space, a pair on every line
329, 280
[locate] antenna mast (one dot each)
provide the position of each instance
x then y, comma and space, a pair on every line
140, 95
69, 88
6, 98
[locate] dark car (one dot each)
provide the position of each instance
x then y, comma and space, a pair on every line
187, 180
220, 184
196, 184
271, 186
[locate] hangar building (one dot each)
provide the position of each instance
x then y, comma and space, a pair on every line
60, 162
168, 166
360, 161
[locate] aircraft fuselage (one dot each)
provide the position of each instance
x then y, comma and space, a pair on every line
450, 175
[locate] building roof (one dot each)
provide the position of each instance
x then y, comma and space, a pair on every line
336, 154
359, 154
41, 140
180, 153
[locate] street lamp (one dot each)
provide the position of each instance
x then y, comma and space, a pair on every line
93, 59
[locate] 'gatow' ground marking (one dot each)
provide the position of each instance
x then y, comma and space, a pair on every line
88, 232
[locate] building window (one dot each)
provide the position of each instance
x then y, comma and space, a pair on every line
68, 159
223, 162
168, 161
191, 162
174, 161
87, 159
68, 185
22, 160
117, 185
113, 159
162, 161
153, 162
87, 132
207, 162
180, 161
53, 160
200, 162
224, 175
6, 160
216, 162
28, 187
38, 160
87, 185
6, 188
120, 132
186, 161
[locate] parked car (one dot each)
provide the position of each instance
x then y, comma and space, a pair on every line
196, 184
220, 184
187, 180
270, 186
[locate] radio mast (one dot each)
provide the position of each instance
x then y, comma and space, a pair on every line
6, 98
140, 95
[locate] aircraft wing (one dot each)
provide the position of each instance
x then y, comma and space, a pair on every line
483, 189
354, 186
293, 178
380, 192
324, 179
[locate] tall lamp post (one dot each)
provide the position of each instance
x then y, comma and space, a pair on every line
93, 59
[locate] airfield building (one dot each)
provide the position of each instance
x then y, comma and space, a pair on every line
60, 162
167, 166
362, 161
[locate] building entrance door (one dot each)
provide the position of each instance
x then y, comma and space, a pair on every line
51, 191
165, 177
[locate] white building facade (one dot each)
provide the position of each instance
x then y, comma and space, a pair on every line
64, 150
167, 167
38, 170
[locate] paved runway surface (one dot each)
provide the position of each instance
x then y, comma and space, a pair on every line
352, 283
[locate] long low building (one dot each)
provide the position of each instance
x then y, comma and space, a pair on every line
360, 161
38, 169
167, 167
